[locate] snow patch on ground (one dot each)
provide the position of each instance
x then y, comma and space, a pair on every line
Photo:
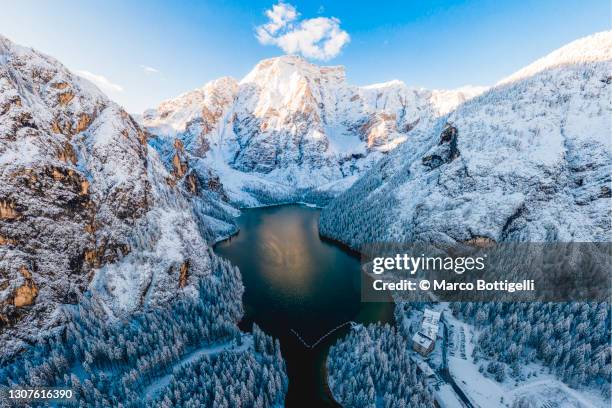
544, 390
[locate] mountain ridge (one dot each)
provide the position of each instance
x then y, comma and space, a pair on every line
289, 127
592, 48
86, 203
537, 150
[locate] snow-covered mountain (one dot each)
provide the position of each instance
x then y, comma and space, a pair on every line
528, 160
85, 202
292, 130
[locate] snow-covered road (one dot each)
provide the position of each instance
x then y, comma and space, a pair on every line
152, 389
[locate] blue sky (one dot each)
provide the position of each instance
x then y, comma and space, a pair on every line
153, 50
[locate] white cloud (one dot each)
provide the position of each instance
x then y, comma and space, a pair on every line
149, 70
279, 16
100, 81
318, 38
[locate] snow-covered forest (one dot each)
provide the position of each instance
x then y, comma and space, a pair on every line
527, 161
515, 343
371, 367
572, 338
118, 362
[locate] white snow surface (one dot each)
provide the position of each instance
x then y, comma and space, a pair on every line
543, 390
593, 48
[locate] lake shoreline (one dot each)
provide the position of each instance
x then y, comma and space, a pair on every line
291, 274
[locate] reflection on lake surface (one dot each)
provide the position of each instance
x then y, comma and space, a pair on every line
294, 280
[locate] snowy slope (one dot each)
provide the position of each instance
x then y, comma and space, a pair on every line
292, 130
530, 159
85, 202
596, 47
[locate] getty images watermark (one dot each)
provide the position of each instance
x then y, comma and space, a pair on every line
497, 272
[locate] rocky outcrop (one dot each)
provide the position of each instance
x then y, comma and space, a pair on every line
446, 151
25, 294
179, 161
183, 274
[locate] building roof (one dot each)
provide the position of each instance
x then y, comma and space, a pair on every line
429, 325
429, 330
422, 340
431, 316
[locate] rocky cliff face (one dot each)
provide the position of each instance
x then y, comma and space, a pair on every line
529, 160
291, 128
85, 202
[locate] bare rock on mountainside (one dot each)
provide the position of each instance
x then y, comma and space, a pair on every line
83, 202
291, 129
528, 160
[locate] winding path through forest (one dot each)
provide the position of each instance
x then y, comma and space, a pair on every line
210, 350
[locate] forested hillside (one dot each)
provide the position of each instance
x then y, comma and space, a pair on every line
87, 204
529, 160
572, 339
189, 353
372, 367
108, 284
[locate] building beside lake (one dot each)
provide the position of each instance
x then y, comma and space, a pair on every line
424, 341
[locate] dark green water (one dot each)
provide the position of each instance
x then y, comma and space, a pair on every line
295, 280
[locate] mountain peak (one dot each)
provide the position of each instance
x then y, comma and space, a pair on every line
592, 48
222, 85
6, 44
394, 83
285, 66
